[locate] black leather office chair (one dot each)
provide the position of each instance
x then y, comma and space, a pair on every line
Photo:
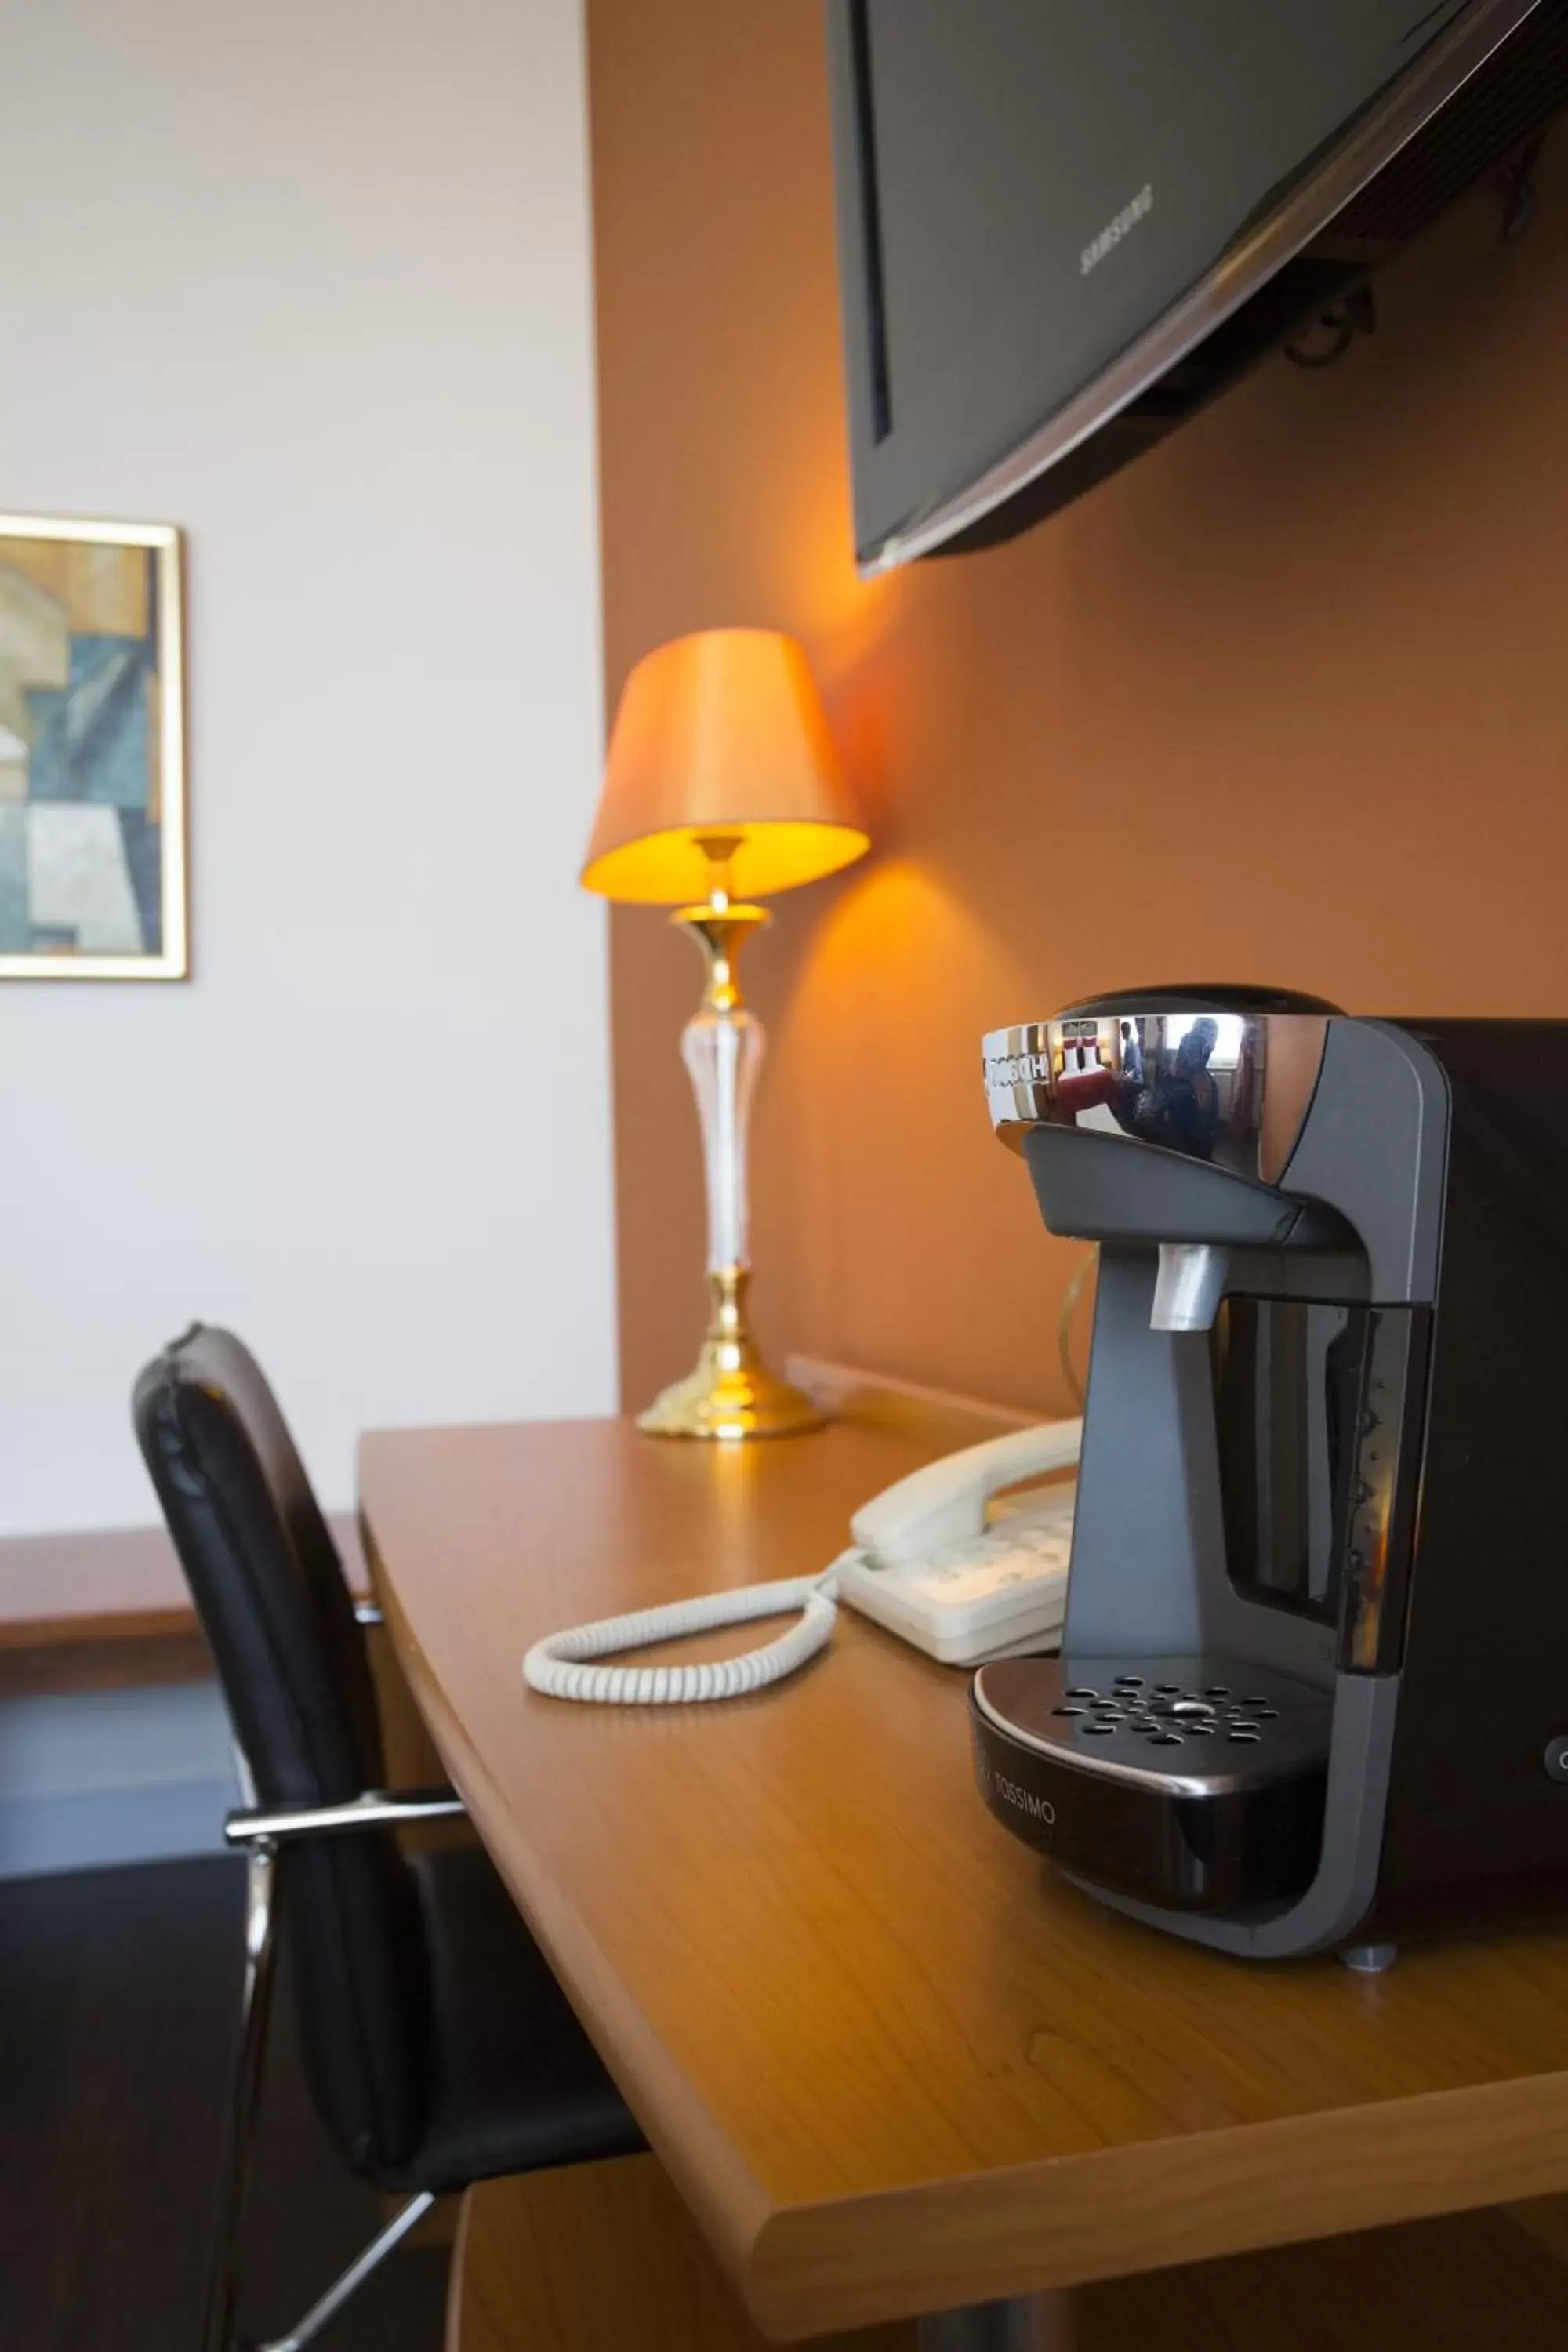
439, 2049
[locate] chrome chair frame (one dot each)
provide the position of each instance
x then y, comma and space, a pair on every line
261, 1831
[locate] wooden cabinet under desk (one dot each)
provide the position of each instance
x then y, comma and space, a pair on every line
886, 2062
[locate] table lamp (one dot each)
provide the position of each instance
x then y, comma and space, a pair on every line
722, 786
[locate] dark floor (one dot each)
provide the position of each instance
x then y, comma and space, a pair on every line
119, 1997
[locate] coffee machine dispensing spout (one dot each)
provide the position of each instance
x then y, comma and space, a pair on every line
1189, 1286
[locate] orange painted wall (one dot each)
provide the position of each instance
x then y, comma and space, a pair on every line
1288, 701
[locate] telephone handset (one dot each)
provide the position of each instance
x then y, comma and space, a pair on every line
930, 1565
925, 1562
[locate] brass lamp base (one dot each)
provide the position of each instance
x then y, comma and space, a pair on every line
729, 1394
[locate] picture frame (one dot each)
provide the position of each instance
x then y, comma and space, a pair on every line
93, 817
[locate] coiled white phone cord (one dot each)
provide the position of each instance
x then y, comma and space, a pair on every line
560, 1666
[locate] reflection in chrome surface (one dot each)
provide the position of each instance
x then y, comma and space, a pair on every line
1226, 1084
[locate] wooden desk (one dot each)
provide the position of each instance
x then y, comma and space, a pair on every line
892, 2066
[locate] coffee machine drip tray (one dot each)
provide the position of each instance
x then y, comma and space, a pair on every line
1193, 1783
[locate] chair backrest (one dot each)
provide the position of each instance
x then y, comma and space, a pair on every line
269, 1589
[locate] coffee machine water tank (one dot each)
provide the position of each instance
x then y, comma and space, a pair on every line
1314, 1668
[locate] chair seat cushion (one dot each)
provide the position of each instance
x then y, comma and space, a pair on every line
517, 2084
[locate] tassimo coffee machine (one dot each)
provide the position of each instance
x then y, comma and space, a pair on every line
1313, 1688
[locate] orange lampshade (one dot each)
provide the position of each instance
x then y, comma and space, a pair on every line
720, 738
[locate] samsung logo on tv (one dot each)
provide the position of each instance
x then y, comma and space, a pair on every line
1126, 220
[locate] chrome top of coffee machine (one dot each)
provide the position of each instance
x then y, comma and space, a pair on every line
1313, 1690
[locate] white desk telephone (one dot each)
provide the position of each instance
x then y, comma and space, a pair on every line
927, 1562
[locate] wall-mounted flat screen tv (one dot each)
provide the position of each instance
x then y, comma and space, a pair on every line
1064, 224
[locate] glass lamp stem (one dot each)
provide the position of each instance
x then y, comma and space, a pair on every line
722, 1045
729, 1394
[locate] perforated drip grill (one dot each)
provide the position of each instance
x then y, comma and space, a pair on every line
1136, 1714
1512, 99
1203, 1725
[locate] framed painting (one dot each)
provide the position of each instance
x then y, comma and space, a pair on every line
92, 756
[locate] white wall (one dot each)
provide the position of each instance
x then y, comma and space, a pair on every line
311, 279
